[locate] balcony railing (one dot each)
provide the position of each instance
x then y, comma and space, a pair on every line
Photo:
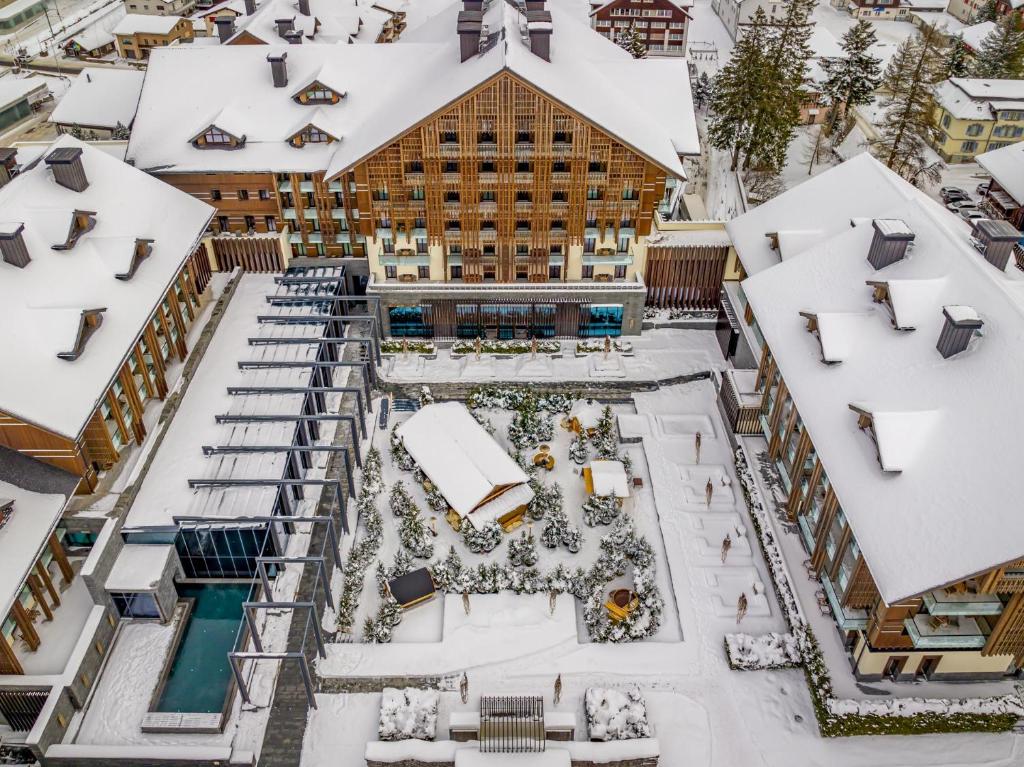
741, 404
932, 632
942, 603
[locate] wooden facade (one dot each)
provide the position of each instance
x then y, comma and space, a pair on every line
139, 44
141, 377
241, 199
685, 277
662, 24
834, 555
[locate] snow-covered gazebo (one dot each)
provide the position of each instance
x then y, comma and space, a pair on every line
584, 416
607, 478
478, 479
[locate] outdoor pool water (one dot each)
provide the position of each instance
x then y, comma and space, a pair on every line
199, 677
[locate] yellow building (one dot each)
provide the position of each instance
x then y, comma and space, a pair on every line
136, 34
976, 116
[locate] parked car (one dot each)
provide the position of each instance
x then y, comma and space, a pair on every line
955, 195
982, 188
971, 214
947, 191
955, 205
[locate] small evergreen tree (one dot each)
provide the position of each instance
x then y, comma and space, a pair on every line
1001, 54
546, 499
987, 12
957, 60
701, 90
557, 531
481, 541
400, 501
77, 132
522, 551
415, 536
399, 454
426, 396
605, 439
120, 132
600, 510
631, 41
851, 79
907, 124
578, 450
448, 572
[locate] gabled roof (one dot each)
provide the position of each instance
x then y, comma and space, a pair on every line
46, 298
101, 97
144, 23
1007, 167
939, 470
390, 89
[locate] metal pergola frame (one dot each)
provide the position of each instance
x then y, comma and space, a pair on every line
369, 372
370, 301
302, 417
360, 409
370, 341
307, 678
332, 537
278, 483
249, 608
209, 450
321, 571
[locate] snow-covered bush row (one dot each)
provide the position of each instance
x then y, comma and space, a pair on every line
399, 455
363, 551
408, 714
616, 715
397, 346
495, 346
605, 438
767, 651
841, 717
601, 510
379, 628
482, 540
585, 347
623, 548
511, 398
452, 576
654, 313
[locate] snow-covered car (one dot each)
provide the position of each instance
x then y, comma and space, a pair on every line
947, 191
982, 188
971, 214
955, 205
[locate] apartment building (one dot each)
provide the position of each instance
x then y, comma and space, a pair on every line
976, 116
736, 14
886, 331
476, 188
137, 34
160, 7
663, 24
99, 273
246, 22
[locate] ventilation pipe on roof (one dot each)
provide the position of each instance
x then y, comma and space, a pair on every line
304, 7
961, 324
293, 37
889, 245
284, 26
538, 24
225, 27
469, 25
250, 7
995, 239
473, 5
534, 5
8, 164
279, 68
12, 245
68, 171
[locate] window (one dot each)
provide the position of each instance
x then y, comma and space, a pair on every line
488, 167
451, 196
215, 194
593, 193
449, 137
456, 272
216, 136
415, 166
524, 167
391, 272
222, 223
522, 197
559, 167
381, 193
417, 193
451, 166
555, 272
271, 223
620, 272
975, 129
313, 135
487, 197
318, 94
264, 194
522, 226
629, 193
250, 223
524, 137
485, 137
243, 194
561, 137
387, 244
969, 146
588, 271
487, 225
421, 245
135, 604
423, 272
589, 244
946, 120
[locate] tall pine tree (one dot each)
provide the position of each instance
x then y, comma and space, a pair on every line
632, 42
907, 123
987, 12
957, 61
1001, 54
851, 79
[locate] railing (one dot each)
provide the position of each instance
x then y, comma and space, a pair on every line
744, 419
960, 635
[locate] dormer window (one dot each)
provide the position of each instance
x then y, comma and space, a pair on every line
140, 252
318, 93
311, 134
213, 137
81, 222
89, 322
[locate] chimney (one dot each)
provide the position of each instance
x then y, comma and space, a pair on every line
473, 5
534, 5
225, 27
284, 26
961, 324
469, 33
304, 7
8, 164
278, 68
892, 237
66, 164
995, 240
293, 37
250, 7
12, 245
538, 23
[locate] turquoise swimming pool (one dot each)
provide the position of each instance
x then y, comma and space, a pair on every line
199, 677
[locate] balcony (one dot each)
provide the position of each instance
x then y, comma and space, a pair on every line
488, 206
561, 147
305, 186
524, 147
450, 148
393, 259
488, 235
487, 148
524, 205
614, 259
596, 175
449, 177
452, 204
741, 403
560, 175
627, 231
414, 176
560, 204
488, 177
290, 213
524, 177
337, 213
943, 603
284, 186
383, 232
935, 632
310, 214
418, 232
848, 618
334, 186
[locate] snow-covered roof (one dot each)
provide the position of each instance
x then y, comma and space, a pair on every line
990, 90
1007, 167
587, 413
24, 536
645, 104
329, 21
146, 24
92, 38
138, 567
165, 494
46, 297
975, 33
462, 460
609, 478
15, 88
959, 104
101, 97
939, 468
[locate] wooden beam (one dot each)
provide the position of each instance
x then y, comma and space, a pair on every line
9, 663
44, 575
37, 591
24, 621
61, 557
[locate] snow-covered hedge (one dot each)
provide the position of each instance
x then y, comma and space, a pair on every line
452, 576
614, 715
843, 717
494, 346
522, 551
364, 550
767, 651
530, 427
512, 398
399, 455
586, 347
408, 714
394, 346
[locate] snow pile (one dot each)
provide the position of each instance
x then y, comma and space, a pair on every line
1006, 704
408, 714
767, 651
613, 715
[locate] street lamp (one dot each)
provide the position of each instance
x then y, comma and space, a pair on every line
53, 39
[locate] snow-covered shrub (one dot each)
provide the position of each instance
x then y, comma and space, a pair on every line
753, 653
401, 502
409, 714
511, 398
397, 346
579, 452
529, 427
400, 565
546, 499
502, 346
586, 347
614, 715
364, 550
522, 551
605, 438
435, 500
601, 510
483, 540
449, 572
415, 536
557, 530
483, 421
378, 630
399, 455
426, 396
